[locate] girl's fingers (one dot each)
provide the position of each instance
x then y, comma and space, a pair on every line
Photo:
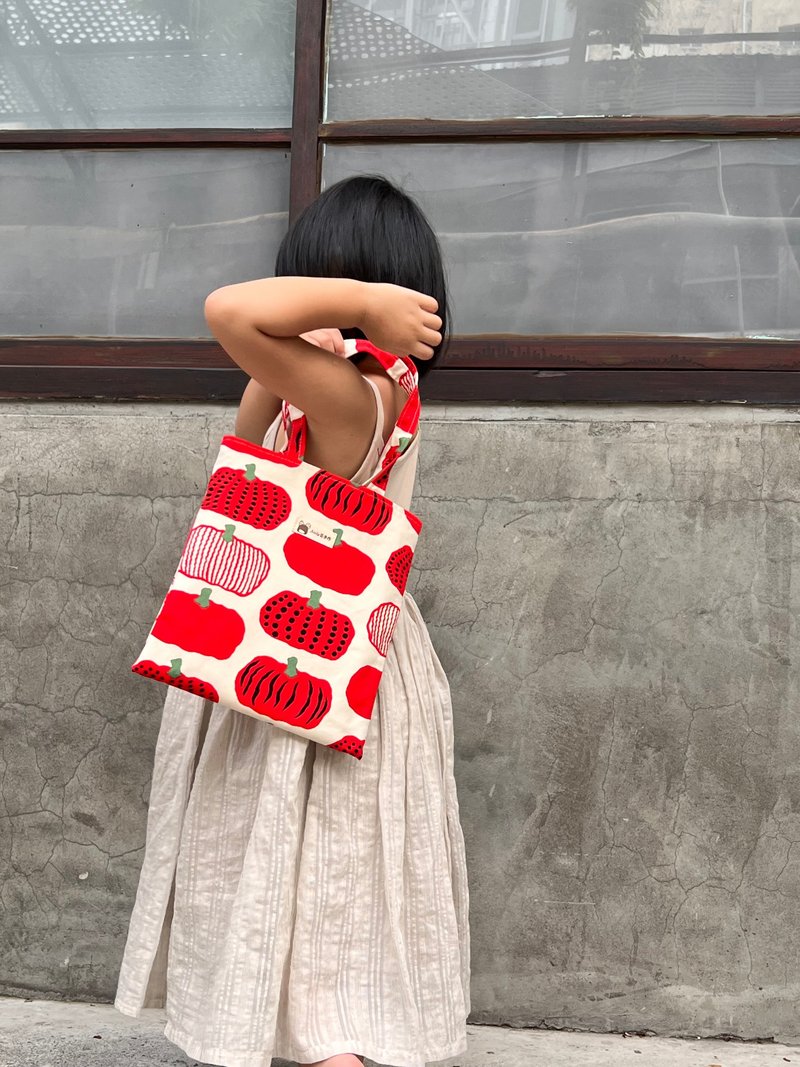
422, 351
427, 303
433, 322
330, 340
431, 337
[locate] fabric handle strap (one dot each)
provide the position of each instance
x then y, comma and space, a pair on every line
404, 372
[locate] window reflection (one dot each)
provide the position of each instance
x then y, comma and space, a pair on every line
655, 237
493, 58
145, 63
129, 243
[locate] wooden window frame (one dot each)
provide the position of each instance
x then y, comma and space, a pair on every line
501, 368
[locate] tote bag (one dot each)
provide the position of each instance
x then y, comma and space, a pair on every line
290, 584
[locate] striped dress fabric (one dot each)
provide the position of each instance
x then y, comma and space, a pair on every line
297, 903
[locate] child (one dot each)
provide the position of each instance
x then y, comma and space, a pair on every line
293, 901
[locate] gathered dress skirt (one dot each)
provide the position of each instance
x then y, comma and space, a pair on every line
295, 902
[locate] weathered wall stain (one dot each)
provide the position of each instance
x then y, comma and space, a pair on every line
614, 596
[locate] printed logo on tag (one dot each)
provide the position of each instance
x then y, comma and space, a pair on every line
325, 537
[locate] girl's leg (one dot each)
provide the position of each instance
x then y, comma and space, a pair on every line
346, 1059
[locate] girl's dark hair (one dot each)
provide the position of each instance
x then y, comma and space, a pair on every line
367, 229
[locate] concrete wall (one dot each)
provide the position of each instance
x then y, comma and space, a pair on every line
614, 594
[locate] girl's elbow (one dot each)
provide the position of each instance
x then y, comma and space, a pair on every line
222, 307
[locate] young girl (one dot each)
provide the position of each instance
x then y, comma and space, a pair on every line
295, 902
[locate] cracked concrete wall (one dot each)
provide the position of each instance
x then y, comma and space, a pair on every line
614, 595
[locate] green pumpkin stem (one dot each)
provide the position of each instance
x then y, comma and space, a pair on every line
403, 443
250, 472
291, 667
339, 535
314, 600
228, 535
204, 600
175, 668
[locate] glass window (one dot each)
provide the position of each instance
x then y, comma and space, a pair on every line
653, 236
85, 64
529, 18
130, 243
472, 59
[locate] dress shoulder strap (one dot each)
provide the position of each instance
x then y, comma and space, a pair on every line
370, 466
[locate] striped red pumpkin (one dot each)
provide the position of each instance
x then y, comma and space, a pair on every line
281, 692
407, 381
380, 627
217, 557
353, 505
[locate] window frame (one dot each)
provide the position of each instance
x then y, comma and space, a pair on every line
500, 368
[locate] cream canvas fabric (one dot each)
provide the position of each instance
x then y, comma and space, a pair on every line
295, 903
290, 585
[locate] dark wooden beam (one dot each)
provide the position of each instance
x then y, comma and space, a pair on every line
309, 71
560, 128
204, 385
58, 382
511, 352
496, 353
500, 369
614, 386
113, 352
44, 140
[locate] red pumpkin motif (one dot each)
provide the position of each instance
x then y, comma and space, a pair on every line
398, 565
409, 418
353, 746
172, 676
393, 453
240, 495
355, 506
198, 624
340, 566
305, 623
407, 381
216, 556
295, 436
281, 692
362, 690
415, 523
380, 627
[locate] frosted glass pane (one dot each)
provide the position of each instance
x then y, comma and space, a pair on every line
130, 243
145, 63
471, 59
652, 236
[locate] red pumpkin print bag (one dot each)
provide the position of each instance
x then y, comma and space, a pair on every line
290, 584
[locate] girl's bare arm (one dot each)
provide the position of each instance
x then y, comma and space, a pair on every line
259, 325
259, 407
257, 410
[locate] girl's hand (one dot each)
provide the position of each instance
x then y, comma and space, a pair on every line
401, 321
331, 340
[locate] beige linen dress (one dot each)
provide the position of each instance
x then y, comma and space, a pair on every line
297, 902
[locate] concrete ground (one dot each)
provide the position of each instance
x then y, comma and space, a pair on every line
57, 1034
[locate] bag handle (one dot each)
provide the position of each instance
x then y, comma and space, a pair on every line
403, 370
